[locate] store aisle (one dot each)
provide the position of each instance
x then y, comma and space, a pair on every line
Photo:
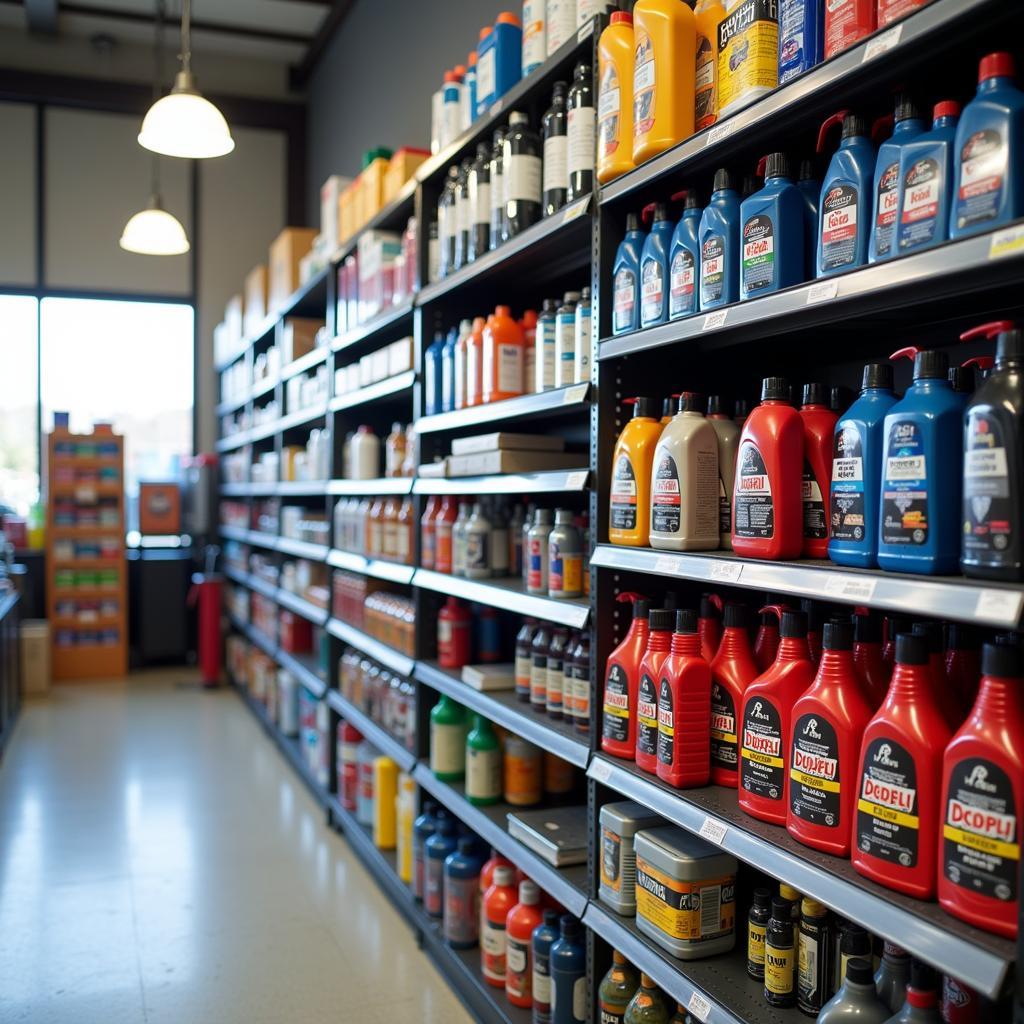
159, 861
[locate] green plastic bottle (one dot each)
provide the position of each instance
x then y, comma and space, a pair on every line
483, 763
648, 1006
618, 987
448, 740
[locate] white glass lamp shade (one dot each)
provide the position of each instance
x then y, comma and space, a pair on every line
184, 124
154, 232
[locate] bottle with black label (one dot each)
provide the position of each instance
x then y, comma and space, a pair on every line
757, 926
814, 966
582, 124
521, 172
462, 215
780, 956
497, 175
555, 134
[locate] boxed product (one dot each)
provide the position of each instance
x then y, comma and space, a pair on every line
285, 253
400, 356
371, 183
401, 167
482, 463
502, 440
490, 677
233, 320
377, 252
330, 211
310, 264
298, 336
347, 204
255, 311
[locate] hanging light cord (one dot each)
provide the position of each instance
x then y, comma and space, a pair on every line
158, 75
186, 35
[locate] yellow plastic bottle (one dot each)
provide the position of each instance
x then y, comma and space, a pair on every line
629, 508
748, 54
709, 14
405, 807
664, 70
385, 789
615, 98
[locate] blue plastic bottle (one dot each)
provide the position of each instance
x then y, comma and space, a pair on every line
719, 236
845, 202
684, 261
857, 471
988, 182
885, 195
801, 37
433, 375
569, 974
422, 829
544, 936
919, 505
498, 61
926, 171
626, 279
448, 370
810, 189
462, 894
772, 237
654, 267
435, 851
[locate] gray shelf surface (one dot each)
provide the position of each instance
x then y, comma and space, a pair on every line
303, 667
370, 646
379, 485
571, 399
380, 569
299, 605
378, 736
302, 549
557, 481
380, 323
374, 392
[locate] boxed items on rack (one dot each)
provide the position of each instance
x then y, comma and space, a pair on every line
285, 253
255, 307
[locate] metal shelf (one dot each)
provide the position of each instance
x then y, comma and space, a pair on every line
263, 387
977, 958
302, 549
299, 666
559, 481
567, 885
950, 597
377, 735
509, 594
371, 647
501, 706
376, 567
230, 405
261, 540
309, 299
299, 605
301, 417
572, 399
261, 586
255, 636
305, 362
374, 392
380, 485
238, 533
227, 444
953, 269
380, 323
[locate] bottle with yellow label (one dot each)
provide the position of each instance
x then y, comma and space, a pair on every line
757, 926
629, 511
615, 98
664, 69
709, 14
748, 53
780, 956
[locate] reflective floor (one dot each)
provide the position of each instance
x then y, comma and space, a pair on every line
159, 861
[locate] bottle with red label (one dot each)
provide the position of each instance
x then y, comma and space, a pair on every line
684, 709
766, 642
454, 637
709, 626
658, 641
819, 427
732, 671
846, 23
621, 681
963, 661
428, 533
828, 723
899, 779
348, 766
947, 700
983, 799
871, 667
444, 520
522, 919
767, 722
767, 511
499, 899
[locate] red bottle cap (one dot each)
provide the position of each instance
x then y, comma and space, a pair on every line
449, 76
995, 65
988, 331
947, 108
622, 18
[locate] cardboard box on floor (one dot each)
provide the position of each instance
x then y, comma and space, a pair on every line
285, 253
35, 656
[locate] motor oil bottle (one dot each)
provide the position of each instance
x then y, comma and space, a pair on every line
543, 939
461, 926
629, 514
828, 722
581, 118
766, 642
475, 362
801, 37
900, 774
983, 768
664, 65
433, 376
767, 722
772, 232
555, 138
748, 54
709, 626
946, 699
767, 507
492, 863
856, 999
892, 10
757, 926
654, 280
780, 956
709, 15
684, 260
919, 529
569, 973
436, 850
988, 177
846, 23
727, 432
926, 171
658, 641
993, 446
921, 1002
626, 278
857, 470
617, 988
892, 976
684, 481
719, 237
523, 918
615, 98
810, 191
521, 175
815, 620
874, 673
732, 671
684, 709
622, 680
845, 196
963, 661
885, 194
819, 430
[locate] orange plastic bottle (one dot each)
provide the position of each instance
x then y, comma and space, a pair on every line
503, 357
615, 98
443, 522
522, 919
732, 671
475, 363
496, 860
622, 680
498, 901
709, 15
428, 533
658, 641
766, 643
709, 625
963, 661
629, 510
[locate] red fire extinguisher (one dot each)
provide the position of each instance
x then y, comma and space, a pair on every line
205, 593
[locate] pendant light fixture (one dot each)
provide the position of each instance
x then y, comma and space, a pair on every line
183, 123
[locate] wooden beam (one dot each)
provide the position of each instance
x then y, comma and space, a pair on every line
300, 74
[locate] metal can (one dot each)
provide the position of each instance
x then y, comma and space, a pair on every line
620, 823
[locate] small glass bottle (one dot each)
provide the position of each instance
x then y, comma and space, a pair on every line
617, 988
780, 956
757, 925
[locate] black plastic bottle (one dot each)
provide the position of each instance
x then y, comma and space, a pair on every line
462, 215
497, 189
582, 123
446, 222
780, 956
521, 168
757, 926
480, 203
554, 128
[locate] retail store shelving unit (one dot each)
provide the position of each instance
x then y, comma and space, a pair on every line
821, 328
10, 664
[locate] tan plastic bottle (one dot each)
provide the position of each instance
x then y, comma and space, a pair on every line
684, 481
728, 431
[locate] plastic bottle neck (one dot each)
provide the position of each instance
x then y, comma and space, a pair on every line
734, 643
908, 124
658, 640
944, 122
638, 628
793, 648
909, 683
836, 668
777, 179
995, 82
723, 194
997, 700
686, 643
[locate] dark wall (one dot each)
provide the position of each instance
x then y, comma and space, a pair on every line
372, 86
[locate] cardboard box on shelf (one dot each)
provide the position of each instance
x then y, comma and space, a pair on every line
233, 319
502, 440
371, 185
401, 167
255, 311
330, 211
298, 336
486, 463
400, 357
35, 656
285, 253
348, 203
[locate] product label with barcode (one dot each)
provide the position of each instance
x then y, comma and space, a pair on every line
694, 911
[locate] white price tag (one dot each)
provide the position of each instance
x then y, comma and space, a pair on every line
713, 830
1002, 606
665, 564
715, 319
575, 394
698, 1006
585, 31
823, 291
726, 572
1007, 242
574, 481
600, 770
882, 44
720, 131
496, 106
576, 211
858, 588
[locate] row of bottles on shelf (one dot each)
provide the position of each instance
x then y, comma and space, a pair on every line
384, 696
382, 527
904, 757
363, 456
386, 616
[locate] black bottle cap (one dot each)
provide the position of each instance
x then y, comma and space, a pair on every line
793, 625
837, 636
691, 401
775, 389
641, 608
860, 971
632, 222
570, 927
931, 364
961, 637
646, 407
877, 375
854, 124
813, 613
962, 379
806, 172
896, 624
735, 616
839, 398
660, 213
723, 179
686, 621
1002, 660
692, 200
558, 91
782, 909
751, 184
814, 394
922, 977
467, 844
661, 618
906, 108
668, 407
714, 405
551, 918
777, 166
1010, 346
581, 69
741, 409
932, 633
762, 896
429, 808
867, 629
855, 940
670, 600
708, 608
911, 649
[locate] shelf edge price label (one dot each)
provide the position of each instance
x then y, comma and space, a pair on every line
600, 770
699, 1006
586, 31
1007, 242
713, 830
823, 291
576, 481
575, 394
860, 588
665, 565
715, 319
882, 44
576, 211
1002, 606
720, 131
726, 572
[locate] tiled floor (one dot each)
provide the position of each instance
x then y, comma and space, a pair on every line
159, 862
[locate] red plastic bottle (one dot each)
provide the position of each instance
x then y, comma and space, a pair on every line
899, 779
709, 626
963, 661
428, 533
983, 787
454, 634
874, 673
443, 522
819, 430
948, 701
732, 671
766, 643
767, 510
828, 723
522, 919
684, 709
814, 623
348, 768
621, 681
846, 23
767, 722
658, 641
498, 901
893, 627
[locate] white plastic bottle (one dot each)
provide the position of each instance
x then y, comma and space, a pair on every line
565, 341
561, 23
479, 532
364, 454
459, 539
584, 342
534, 35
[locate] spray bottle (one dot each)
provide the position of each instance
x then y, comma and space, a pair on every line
684, 260
658, 641
772, 222
732, 671
907, 125
626, 278
632, 465
819, 428
654, 282
622, 680
719, 237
